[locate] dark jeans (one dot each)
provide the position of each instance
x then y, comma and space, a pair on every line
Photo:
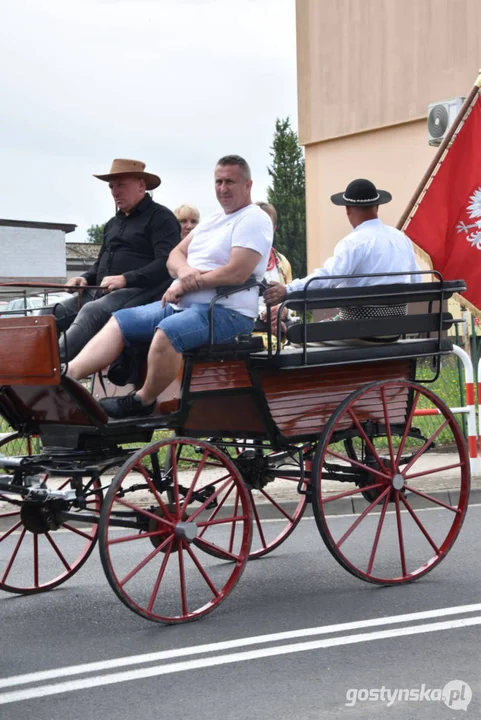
80, 317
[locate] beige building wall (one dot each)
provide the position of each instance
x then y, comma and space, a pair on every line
394, 158
367, 71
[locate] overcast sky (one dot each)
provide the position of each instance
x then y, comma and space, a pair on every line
175, 83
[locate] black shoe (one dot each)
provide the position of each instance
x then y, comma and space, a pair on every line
126, 406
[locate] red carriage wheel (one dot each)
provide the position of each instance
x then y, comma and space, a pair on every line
162, 546
275, 514
37, 553
277, 507
388, 504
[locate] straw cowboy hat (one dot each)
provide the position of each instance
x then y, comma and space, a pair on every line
131, 167
361, 193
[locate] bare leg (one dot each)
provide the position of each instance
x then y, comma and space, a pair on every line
163, 366
99, 352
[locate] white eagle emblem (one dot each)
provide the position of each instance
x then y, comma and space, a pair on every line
473, 230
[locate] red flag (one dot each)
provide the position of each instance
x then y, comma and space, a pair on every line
447, 221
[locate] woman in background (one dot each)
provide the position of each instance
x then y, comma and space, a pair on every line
188, 217
278, 270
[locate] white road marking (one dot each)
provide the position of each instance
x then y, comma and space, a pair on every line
194, 664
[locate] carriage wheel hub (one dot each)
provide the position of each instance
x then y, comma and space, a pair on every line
398, 481
37, 519
186, 531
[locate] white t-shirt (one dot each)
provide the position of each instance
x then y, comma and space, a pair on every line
211, 246
371, 247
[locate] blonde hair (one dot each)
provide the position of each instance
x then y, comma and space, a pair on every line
270, 210
186, 209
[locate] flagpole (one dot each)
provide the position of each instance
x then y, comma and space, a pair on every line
437, 158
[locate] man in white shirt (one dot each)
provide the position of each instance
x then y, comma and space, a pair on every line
371, 247
225, 249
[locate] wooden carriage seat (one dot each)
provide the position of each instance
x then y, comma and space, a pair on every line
422, 330
29, 351
33, 391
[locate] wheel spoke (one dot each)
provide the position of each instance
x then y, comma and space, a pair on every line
234, 526
407, 427
200, 467
203, 543
57, 550
432, 499
144, 562
362, 516
400, 534
433, 471
76, 531
11, 530
258, 522
419, 524
426, 445
12, 513
160, 575
183, 589
145, 512
175, 485
35, 560
204, 524
157, 496
349, 493
387, 425
378, 534
277, 506
358, 464
214, 512
138, 536
14, 555
367, 440
207, 579
210, 499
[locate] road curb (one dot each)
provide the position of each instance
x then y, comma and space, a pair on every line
348, 505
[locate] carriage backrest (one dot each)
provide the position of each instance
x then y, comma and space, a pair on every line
29, 351
431, 319
388, 294
413, 324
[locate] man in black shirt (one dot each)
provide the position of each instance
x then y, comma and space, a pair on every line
131, 266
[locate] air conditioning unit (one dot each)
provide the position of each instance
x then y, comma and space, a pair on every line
440, 117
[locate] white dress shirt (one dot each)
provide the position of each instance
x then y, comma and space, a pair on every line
371, 247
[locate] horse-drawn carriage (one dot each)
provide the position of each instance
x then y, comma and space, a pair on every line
179, 501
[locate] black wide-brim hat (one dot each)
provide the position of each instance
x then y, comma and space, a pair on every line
361, 193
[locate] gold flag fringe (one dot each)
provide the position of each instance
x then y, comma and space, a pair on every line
465, 303
456, 296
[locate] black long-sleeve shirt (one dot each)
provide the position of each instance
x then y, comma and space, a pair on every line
137, 246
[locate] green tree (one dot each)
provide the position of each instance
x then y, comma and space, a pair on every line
288, 193
95, 234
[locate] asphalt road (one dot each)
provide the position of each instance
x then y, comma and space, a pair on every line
299, 638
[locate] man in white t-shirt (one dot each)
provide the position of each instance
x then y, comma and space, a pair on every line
225, 249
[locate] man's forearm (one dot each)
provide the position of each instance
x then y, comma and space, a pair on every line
225, 276
176, 260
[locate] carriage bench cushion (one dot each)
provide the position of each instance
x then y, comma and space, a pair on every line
244, 345
349, 354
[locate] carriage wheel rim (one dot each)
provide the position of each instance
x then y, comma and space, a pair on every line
392, 494
178, 543
42, 543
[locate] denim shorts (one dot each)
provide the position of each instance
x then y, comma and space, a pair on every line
186, 329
